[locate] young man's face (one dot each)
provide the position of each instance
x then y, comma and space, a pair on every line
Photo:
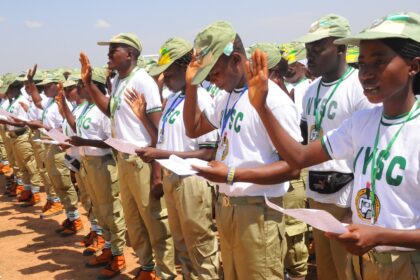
51, 90
384, 75
174, 77
117, 56
227, 71
71, 93
295, 72
322, 56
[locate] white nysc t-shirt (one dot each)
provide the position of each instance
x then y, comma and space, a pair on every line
15, 108
248, 144
124, 124
172, 135
398, 178
347, 99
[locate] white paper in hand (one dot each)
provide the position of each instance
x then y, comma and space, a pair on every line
56, 136
182, 167
122, 146
6, 114
319, 219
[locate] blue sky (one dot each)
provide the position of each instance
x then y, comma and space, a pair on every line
52, 33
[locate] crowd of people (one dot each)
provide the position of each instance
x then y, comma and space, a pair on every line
328, 121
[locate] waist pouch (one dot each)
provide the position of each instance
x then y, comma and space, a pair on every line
328, 182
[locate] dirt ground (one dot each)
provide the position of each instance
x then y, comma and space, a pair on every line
30, 248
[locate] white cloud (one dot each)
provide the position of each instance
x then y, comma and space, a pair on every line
101, 23
33, 24
2, 19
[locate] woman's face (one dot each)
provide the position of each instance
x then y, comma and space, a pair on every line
384, 74
71, 93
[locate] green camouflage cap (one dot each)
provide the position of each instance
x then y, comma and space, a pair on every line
38, 77
328, 26
7, 80
210, 44
271, 50
150, 64
352, 54
99, 75
170, 51
140, 62
397, 25
130, 39
73, 79
52, 77
294, 51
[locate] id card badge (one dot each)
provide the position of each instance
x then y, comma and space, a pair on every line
315, 134
223, 150
160, 137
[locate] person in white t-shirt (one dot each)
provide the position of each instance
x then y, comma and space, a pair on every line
28, 172
327, 102
140, 182
56, 168
247, 166
189, 199
382, 142
98, 172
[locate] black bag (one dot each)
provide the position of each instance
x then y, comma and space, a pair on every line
328, 182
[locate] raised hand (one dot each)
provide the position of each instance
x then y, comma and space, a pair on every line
86, 71
256, 72
31, 73
192, 68
137, 103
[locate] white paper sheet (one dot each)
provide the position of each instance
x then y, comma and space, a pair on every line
6, 114
182, 167
122, 145
319, 219
57, 136
46, 141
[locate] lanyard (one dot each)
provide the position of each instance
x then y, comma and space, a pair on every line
10, 107
178, 100
374, 169
116, 98
227, 115
46, 108
318, 119
82, 117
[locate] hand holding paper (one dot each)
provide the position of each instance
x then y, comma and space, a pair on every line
122, 145
182, 167
319, 219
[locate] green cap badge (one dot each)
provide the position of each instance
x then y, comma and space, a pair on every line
328, 26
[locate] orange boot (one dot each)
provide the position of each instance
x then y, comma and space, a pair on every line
114, 268
86, 241
7, 170
74, 227
25, 196
146, 275
56, 208
16, 189
101, 260
98, 243
35, 199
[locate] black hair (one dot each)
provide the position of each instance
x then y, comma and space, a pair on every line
101, 87
185, 59
408, 49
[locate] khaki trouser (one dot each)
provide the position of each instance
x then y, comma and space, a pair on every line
100, 177
189, 202
9, 150
296, 260
332, 259
145, 216
394, 265
25, 159
251, 238
40, 156
3, 153
60, 177
84, 196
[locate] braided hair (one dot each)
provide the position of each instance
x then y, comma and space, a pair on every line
408, 49
185, 59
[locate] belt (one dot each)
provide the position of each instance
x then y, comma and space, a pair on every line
228, 201
389, 257
17, 133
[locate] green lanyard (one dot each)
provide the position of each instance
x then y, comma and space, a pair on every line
115, 101
374, 169
82, 116
318, 119
10, 107
44, 112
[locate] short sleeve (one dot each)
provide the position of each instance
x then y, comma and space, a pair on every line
145, 84
338, 143
213, 112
